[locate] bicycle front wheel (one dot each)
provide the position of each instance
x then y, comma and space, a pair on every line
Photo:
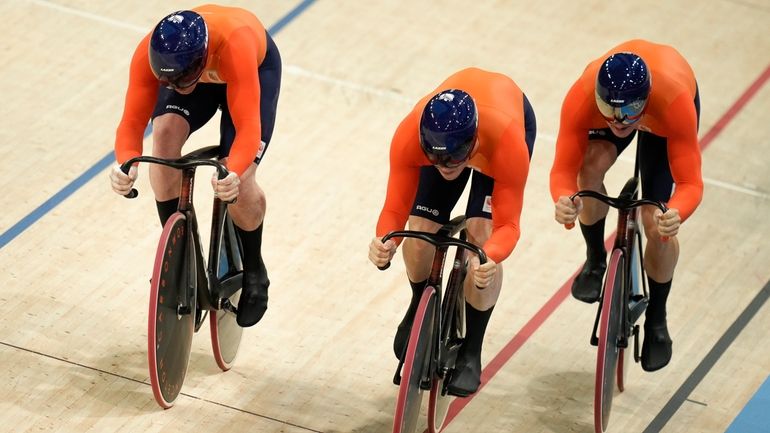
609, 332
225, 332
416, 365
452, 334
169, 335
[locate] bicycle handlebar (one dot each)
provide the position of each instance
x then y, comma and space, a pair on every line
180, 164
436, 240
618, 202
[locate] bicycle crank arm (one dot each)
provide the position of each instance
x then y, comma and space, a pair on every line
225, 304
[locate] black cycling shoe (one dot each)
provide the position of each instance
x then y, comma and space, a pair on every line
466, 377
253, 302
402, 333
588, 284
656, 347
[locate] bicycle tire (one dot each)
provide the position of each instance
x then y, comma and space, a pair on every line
452, 333
608, 350
416, 362
225, 332
169, 336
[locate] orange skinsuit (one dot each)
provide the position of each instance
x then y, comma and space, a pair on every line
237, 46
501, 154
670, 113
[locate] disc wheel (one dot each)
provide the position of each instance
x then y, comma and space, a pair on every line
416, 365
608, 351
169, 335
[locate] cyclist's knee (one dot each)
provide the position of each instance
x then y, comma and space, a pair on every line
423, 224
169, 133
253, 194
600, 156
479, 230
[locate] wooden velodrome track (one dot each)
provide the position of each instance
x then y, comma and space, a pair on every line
75, 259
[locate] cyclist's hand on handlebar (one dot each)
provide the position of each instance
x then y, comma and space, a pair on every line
381, 253
668, 223
566, 210
226, 189
121, 182
483, 275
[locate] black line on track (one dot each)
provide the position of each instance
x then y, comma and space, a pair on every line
711, 358
99, 370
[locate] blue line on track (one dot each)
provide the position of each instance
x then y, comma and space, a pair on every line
754, 418
108, 159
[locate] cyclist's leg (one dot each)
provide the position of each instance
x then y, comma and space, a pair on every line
603, 149
660, 257
249, 211
432, 208
479, 304
174, 118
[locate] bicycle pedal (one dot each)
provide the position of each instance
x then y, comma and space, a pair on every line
225, 304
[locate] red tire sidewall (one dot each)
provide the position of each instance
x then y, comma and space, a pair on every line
153, 308
411, 349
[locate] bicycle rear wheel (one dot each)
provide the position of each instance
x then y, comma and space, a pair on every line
416, 365
169, 335
609, 331
225, 331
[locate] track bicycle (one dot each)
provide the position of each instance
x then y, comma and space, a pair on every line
623, 300
437, 332
183, 290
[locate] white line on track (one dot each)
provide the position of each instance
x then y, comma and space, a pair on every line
89, 16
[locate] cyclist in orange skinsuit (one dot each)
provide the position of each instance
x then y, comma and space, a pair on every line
649, 88
476, 122
193, 63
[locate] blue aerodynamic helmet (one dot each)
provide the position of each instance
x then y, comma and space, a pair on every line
448, 128
622, 88
178, 49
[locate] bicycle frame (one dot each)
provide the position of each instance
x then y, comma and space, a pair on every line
183, 286
436, 335
442, 240
628, 239
205, 285
623, 299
